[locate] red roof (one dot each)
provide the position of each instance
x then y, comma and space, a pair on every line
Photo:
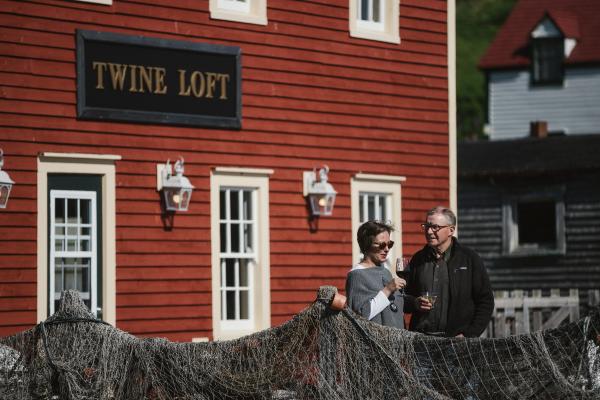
577, 19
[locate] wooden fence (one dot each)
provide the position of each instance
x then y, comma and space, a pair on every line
517, 312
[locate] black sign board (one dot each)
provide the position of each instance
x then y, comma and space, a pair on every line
157, 81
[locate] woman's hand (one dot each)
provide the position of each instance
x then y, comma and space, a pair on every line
393, 285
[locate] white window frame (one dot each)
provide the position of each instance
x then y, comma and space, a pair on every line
391, 187
91, 254
510, 242
250, 12
387, 30
250, 256
260, 300
76, 163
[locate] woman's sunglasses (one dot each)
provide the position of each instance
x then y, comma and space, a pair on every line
383, 245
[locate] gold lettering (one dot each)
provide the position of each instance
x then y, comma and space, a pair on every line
101, 67
182, 91
159, 77
133, 79
224, 78
117, 75
198, 90
145, 78
211, 78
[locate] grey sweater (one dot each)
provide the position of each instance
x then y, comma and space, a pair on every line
363, 284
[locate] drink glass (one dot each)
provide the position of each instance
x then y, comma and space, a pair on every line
402, 270
429, 296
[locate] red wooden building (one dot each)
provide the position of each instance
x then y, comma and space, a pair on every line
365, 87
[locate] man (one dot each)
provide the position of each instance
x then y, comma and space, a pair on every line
456, 275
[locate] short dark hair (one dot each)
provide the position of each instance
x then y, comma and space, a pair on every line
365, 236
446, 212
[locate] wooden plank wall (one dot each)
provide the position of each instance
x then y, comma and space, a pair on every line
311, 95
480, 226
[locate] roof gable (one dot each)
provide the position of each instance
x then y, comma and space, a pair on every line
576, 19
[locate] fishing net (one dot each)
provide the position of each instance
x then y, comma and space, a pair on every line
319, 354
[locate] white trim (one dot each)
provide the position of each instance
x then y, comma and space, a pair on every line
384, 184
78, 164
386, 31
47, 156
261, 303
256, 12
452, 156
105, 2
381, 178
243, 171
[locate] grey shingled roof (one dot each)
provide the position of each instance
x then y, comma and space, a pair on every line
529, 156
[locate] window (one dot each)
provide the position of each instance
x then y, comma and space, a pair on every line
547, 62
240, 251
73, 259
370, 14
76, 231
248, 11
534, 225
375, 20
376, 197
374, 206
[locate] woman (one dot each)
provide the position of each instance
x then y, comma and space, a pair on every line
370, 286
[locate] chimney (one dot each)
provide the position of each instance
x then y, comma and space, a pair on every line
538, 129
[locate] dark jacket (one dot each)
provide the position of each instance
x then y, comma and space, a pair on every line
471, 301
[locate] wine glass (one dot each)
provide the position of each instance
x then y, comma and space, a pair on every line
402, 264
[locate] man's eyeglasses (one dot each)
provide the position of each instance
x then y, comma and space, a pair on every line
433, 227
383, 245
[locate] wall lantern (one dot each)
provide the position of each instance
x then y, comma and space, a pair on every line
5, 183
321, 195
177, 189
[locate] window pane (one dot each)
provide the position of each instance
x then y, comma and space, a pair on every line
364, 10
222, 204
59, 211
247, 205
71, 245
376, 11
248, 239
230, 272
361, 205
537, 223
84, 245
382, 209
371, 208
244, 304
235, 238
234, 207
85, 211
244, 272
72, 216
224, 238
230, 304
72, 231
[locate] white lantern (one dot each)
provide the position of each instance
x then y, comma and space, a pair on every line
320, 194
177, 189
5, 183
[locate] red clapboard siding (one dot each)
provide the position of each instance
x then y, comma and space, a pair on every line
312, 95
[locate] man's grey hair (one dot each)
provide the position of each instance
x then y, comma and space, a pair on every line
446, 212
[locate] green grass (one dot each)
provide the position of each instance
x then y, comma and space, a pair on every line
477, 22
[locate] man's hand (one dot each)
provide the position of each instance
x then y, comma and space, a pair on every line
423, 304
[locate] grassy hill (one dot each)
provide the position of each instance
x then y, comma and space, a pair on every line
476, 24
